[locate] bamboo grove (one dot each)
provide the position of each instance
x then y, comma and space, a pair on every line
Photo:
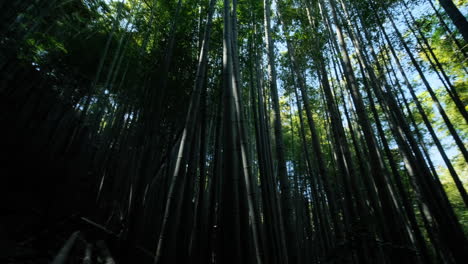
240, 131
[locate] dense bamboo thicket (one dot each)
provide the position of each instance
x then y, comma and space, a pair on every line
234, 131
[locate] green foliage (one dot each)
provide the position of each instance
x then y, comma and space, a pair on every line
452, 192
461, 3
458, 121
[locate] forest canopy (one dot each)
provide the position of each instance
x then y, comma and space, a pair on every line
234, 131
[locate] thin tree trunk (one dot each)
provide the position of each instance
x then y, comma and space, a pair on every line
286, 202
456, 16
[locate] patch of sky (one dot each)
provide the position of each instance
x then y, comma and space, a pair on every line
418, 11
